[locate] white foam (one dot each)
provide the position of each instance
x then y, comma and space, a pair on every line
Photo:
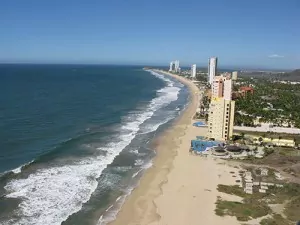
19, 169
111, 215
135, 151
144, 167
136, 173
118, 198
51, 195
105, 219
153, 127
122, 168
139, 162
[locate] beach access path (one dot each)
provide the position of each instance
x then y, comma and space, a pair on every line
180, 188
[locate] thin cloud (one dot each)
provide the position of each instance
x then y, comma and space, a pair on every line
276, 56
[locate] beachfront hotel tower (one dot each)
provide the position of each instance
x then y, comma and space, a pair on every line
171, 66
212, 69
174, 66
177, 67
234, 75
193, 71
221, 109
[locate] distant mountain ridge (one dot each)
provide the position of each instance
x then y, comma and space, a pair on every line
291, 76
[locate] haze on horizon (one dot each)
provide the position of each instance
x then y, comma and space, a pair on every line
251, 34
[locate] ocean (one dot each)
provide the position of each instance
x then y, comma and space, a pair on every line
75, 139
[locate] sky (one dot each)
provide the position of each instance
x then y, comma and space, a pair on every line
241, 33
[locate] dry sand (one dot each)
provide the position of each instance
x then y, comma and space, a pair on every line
180, 188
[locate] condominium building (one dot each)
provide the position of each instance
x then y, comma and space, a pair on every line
234, 75
217, 87
193, 71
222, 87
227, 93
221, 110
177, 67
171, 66
212, 69
221, 118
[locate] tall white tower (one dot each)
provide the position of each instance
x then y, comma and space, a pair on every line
234, 75
193, 71
177, 66
171, 66
212, 69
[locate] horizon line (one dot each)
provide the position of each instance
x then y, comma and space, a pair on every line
258, 68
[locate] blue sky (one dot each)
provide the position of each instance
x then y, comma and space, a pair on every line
242, 33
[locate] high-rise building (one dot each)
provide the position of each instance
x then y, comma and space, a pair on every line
193, 71
221, 118
176, 66
171, 66
222, 87
217, 87
212, 69
221, 110
234, 75
227, 92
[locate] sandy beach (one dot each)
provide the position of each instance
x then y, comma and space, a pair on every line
180, 188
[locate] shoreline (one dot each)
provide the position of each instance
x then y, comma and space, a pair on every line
168, 184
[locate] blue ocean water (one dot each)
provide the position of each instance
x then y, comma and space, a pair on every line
74, 139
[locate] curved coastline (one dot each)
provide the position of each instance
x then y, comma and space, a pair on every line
140, 207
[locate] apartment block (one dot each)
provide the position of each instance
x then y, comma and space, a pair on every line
221, 118
222, 87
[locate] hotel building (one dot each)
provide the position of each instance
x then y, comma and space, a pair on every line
171, 66
212, 69
193, 71
177, 68
221, 110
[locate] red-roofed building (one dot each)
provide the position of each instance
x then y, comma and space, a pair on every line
246, 90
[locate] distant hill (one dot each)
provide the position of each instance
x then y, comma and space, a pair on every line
291, 76
288, 76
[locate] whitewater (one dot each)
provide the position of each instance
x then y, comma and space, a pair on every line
50, 195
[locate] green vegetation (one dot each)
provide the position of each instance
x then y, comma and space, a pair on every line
242, 211
276, 219
256, 205
268, 151
280, 195
273, 102
292, 209
231, 189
